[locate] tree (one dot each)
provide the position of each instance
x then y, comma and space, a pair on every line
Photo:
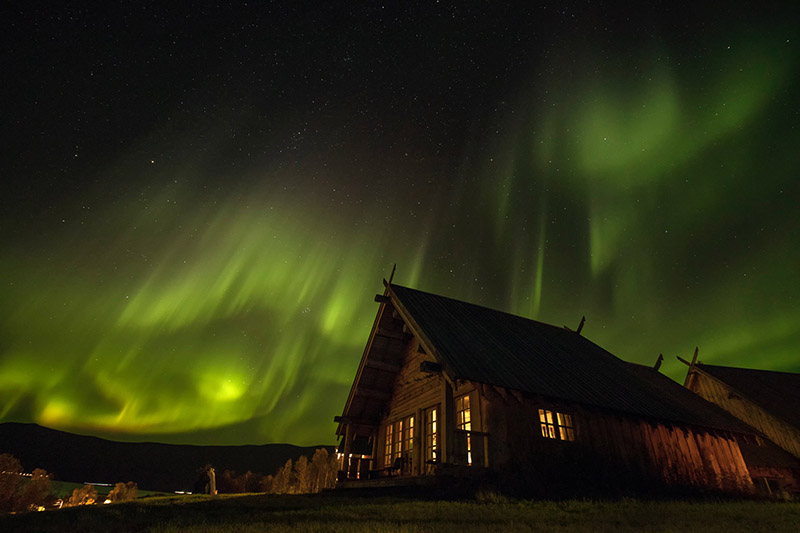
86, 495
332, 472
265, 484
36, 492
304, 475
319, 463
228, 483
282, 481
123, 492
10, 478
202, 481
252, 482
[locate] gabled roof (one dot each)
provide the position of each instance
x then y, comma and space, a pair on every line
776, 392
495, 348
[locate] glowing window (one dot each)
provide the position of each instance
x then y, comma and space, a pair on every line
556, 425
566, 431
463, 417
464, 422
398, 439
431, 446
387, 457
408, 438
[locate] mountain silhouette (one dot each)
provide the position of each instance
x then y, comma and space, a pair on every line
153, 466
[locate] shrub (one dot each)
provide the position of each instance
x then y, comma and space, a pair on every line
86, 495
123, 492
35, 493
10, 479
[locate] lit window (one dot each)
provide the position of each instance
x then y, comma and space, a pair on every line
548, 427
556, 425
463, 418
399, 441
408, 438
464, 422
566, 431
387, 458
430, 434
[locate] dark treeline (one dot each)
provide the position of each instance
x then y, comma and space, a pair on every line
298, 477
154, 466
25, 492
19, 492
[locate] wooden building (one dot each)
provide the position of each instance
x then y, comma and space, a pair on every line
768, 402
447, 388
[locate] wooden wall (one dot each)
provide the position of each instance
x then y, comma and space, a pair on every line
779, 432
413, 392
611, 453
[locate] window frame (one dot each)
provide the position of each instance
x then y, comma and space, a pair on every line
431, 432
388, 444
408, 438
464, 420
398, 440
557, 425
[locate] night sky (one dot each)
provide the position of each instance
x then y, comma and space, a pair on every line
199, 203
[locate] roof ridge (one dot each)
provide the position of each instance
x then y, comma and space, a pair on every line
485, 345
750, 369
486, 307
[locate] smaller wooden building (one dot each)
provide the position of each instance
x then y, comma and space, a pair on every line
448, 388
768, 402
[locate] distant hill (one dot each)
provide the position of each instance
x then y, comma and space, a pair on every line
153, 466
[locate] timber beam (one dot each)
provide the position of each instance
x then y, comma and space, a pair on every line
349, 420
430, 367
380, 365
392, 335
692, 366
502, 392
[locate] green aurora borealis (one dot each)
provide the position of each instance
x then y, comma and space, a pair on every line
193, 259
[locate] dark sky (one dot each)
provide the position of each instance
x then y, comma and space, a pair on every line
199, 203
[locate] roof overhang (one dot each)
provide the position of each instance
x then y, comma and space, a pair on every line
372, 386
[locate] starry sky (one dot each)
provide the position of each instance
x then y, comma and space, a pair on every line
199, 204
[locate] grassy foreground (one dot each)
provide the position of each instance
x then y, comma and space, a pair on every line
349, 513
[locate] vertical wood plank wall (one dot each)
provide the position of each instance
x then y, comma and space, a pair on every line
779, 432
611, 450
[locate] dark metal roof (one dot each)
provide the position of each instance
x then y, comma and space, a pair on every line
685, 404
487, 346
776, 392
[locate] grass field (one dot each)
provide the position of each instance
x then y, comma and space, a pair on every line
349, 513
